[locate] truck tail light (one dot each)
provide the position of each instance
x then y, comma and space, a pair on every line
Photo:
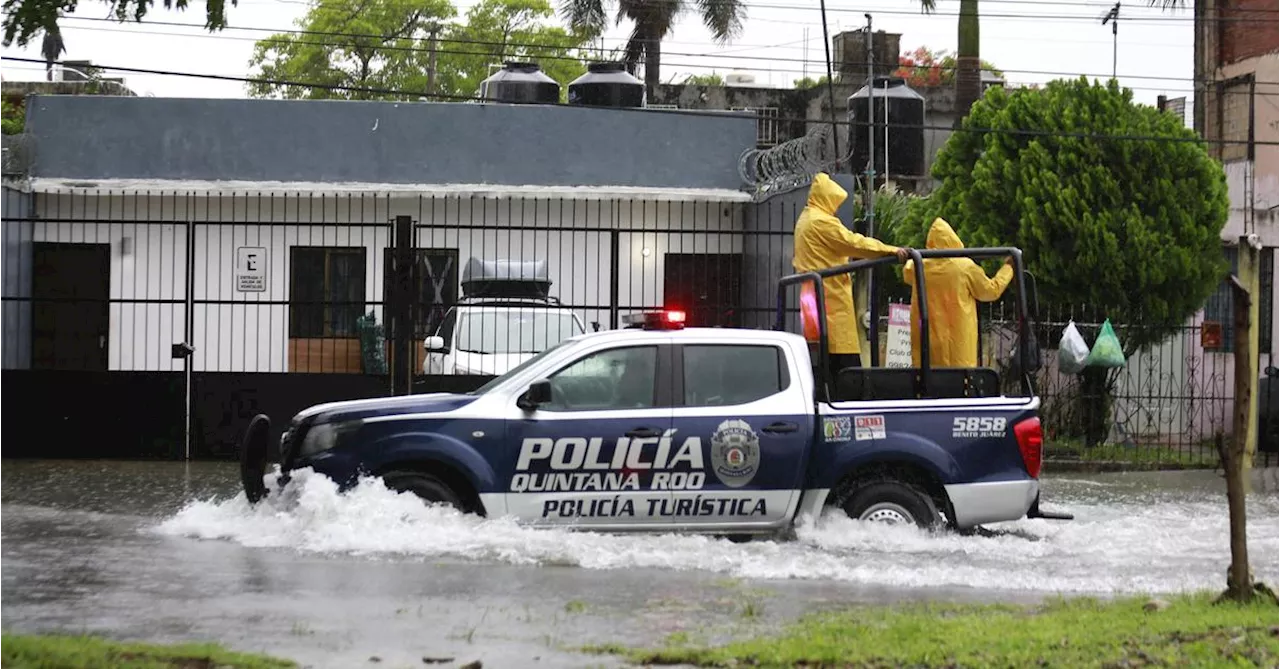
1030, 443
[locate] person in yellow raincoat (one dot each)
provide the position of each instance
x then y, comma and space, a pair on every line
954, 286
822, 241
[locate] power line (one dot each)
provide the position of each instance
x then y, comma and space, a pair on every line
325, 33
642, 110
545, 57
985, 16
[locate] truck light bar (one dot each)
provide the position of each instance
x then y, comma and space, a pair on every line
669, 319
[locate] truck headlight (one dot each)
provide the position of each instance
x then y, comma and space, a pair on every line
326, 436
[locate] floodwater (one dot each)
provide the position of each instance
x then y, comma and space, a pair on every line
172, 552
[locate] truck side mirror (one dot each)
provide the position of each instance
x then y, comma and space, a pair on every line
435, 344
595, 326
539, 393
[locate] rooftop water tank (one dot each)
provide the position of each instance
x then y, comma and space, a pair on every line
520, 82
905, 110
607, 85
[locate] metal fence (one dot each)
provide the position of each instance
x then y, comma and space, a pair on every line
354, 284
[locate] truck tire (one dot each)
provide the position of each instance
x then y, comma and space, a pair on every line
893, 503
427, 487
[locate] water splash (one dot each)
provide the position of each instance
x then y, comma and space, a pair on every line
1154, 542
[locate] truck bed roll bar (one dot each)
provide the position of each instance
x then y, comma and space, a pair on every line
918, 256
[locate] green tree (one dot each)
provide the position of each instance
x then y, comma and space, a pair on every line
14, 117
497, 31
652, 21
1128, 227
367, 44
385, 44
809, 82
713, 79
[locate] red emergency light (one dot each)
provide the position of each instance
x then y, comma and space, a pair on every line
667, 319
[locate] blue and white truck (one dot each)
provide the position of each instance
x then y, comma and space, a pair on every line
661, 428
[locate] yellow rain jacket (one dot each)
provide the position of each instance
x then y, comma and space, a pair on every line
822, 241
954, 286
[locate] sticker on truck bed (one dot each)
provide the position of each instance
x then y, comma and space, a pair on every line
977, 427
839, 428
866, 428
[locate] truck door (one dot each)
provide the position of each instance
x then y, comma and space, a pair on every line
755, 426
590, 457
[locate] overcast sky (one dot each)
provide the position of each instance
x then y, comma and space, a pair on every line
1032, 40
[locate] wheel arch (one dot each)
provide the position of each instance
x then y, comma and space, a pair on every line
457, 464
913, 473
448, 474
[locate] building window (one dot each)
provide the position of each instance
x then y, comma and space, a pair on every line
1219, 314
766, 125
326, 291
435, 271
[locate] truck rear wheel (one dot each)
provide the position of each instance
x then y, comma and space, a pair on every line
892, 503
427, 487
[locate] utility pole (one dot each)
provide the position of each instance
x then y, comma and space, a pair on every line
863, 298
1114, 17
871, 132
831, 92
431, 59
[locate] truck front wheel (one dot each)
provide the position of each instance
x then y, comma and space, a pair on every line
427, 487
892, 503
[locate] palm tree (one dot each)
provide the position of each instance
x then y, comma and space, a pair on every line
968, 78
652, 20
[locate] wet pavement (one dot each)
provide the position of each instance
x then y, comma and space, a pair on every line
170, 552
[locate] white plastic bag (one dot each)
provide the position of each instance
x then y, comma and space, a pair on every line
1072, 351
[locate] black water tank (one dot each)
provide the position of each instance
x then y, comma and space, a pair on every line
520, 82
906, 131
606, 85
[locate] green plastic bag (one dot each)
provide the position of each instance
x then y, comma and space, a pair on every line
1107, 351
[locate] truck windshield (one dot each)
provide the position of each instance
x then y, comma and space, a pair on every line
523, 331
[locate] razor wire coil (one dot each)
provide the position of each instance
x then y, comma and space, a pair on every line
791, 164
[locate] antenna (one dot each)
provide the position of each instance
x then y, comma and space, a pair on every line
1114, 17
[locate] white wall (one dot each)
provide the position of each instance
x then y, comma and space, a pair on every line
249, 332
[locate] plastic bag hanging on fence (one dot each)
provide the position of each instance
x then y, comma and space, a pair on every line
1107, 351
1072, 351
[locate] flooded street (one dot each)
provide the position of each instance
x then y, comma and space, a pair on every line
170, 552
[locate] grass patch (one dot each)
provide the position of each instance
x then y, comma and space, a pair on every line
1082, 632
21, 651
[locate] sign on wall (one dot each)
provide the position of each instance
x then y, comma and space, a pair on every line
251, 269
898, 353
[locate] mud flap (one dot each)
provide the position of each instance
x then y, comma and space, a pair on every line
253, 458
1035, 512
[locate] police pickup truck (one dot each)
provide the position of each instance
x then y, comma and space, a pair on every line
661, 428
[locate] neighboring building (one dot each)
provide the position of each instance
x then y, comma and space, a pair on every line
260, 232
1237, 67
774, 106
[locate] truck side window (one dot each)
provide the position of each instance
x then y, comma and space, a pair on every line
616, 379
726, 375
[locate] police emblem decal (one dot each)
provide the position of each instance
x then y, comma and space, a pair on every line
735, 453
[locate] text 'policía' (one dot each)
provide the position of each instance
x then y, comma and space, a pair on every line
579, 464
